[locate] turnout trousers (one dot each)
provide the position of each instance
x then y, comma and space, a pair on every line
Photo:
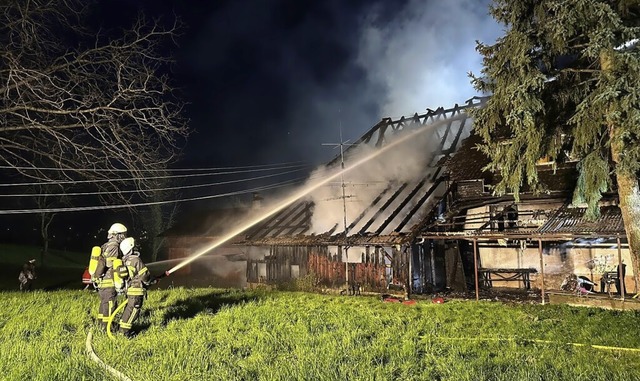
108, 296
131, 312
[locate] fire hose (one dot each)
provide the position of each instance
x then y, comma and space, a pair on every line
112, 316
538, 341
124, 303
92, 354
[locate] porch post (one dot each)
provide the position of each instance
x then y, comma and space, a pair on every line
475, 265
541, 268
620, 275
410, 276
346, 269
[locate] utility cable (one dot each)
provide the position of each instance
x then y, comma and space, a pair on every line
150, 170
150, 190
104, 207
147, 178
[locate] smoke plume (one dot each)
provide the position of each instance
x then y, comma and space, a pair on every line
421, 56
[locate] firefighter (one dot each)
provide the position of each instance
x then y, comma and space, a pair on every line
138, 279
27, 275
110, 252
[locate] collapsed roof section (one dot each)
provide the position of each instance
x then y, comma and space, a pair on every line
572, 221
556, 223
384, 202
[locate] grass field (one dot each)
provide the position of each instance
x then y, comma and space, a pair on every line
211, 334
63, 270
58, 269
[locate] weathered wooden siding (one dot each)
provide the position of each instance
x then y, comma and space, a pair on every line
375, 269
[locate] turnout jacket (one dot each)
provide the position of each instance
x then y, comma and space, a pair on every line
139, 275
29, 271
110, 251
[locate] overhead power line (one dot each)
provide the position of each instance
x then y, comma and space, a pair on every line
106, 207
23, 168
149, 177
150, 190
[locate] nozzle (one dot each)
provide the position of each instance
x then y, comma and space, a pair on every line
157, 279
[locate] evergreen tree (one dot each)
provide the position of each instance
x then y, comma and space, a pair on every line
565, 81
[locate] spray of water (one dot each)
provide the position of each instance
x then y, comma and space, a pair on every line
167, 261
305, 191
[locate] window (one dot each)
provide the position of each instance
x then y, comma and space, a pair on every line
262, 270
503, 217
511, 216
295, 271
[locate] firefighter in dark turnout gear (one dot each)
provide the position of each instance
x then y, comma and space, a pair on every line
105, 282
137, 281
27, 275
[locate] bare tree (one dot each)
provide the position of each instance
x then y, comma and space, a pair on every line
152, 221
44, 202
156, 220
96, 105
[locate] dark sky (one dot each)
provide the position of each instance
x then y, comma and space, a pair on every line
270, 81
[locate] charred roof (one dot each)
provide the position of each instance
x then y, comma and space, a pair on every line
395, 207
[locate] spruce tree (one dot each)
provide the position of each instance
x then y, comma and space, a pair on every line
565, 82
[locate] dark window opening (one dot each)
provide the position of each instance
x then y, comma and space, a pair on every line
503, 217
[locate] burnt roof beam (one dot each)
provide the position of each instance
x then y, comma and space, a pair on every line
373, 203
401, 206
298, 226
421, 202
287, 217
282, 215
427, 117
454, 144
383, 208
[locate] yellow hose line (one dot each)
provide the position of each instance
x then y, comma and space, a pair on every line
112, 316
603, 347
116, 373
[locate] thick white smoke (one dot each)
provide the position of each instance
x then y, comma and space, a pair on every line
405, 163
422, 55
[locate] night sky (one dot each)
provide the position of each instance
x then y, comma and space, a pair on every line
271, 81
275, 81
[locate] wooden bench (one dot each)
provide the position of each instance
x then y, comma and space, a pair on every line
487, 276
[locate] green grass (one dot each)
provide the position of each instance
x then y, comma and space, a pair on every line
19, 254
209, 334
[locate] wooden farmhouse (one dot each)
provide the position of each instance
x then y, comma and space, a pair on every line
418, 215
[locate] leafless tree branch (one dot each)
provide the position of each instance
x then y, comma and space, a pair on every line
86, 102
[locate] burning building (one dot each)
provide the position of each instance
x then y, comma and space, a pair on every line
408, 207
363, 229
536, 242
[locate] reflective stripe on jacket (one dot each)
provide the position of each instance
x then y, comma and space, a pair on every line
110, 251
139, 275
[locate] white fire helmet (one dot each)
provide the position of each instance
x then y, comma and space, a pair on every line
117, 228
126, 246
